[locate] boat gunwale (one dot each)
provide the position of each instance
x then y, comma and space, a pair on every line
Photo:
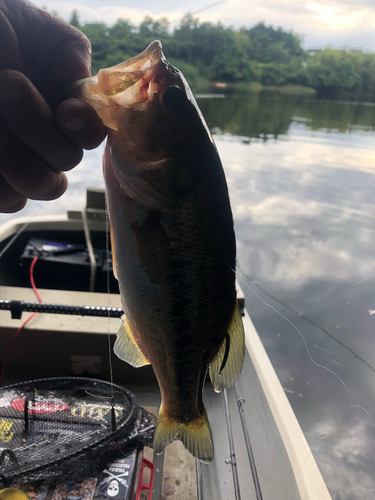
308, 477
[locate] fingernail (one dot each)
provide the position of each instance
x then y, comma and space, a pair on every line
76, 123
10, 89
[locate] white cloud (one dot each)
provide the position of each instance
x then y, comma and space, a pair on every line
105, 13
341, 18
335, 22
291, 202
351, 452
294, 266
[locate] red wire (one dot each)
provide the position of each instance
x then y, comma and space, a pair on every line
24, 323
32, 279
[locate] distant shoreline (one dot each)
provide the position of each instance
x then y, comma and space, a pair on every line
251, 87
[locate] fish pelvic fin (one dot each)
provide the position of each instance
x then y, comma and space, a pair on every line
226, 366
194, 435
126, 347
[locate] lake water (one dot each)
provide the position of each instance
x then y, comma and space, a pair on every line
302, 184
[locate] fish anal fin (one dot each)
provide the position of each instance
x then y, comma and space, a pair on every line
126, 348
113, 253
227, 363
194, 435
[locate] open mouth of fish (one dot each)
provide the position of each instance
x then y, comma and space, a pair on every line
131, 83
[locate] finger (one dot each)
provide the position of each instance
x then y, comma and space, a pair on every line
68, 62
80, 123
29, 117
10, 56
10, 200
27, 173
55, 51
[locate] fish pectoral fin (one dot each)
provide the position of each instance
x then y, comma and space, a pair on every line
194, 435
226, 366
126, 348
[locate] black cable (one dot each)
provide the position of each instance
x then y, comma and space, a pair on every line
18, 306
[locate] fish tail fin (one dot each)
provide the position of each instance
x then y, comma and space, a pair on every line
195, 435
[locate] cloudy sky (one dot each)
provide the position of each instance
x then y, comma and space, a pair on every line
338, 23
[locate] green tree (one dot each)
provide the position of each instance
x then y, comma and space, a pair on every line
274, 74
262, 53
74, 19
156, 28
332, 69
273, 45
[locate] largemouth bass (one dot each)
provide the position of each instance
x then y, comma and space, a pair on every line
172, 239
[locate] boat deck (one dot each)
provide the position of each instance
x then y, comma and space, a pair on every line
81, 343
274, 471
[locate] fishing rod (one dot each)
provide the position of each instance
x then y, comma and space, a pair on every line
240, 402
232, 459
17, 307
198, 471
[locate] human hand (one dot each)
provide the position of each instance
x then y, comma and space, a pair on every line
42, 132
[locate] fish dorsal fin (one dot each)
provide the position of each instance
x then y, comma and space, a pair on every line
113, 253
226, 366
126, 348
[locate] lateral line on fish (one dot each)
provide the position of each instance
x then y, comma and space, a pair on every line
307, 349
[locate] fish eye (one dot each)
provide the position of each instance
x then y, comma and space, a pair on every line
174, 99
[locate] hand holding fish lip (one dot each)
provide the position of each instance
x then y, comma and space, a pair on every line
42, 132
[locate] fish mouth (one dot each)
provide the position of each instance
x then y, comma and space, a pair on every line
130, 84
145, 60
138, 69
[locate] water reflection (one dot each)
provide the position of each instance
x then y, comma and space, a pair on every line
304, 214
267, 116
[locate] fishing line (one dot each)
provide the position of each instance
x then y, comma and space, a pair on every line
113, 414
307, 349
10, 242
96, 396
208, 7
90, 249
200, 10
20, 230
308, 320
118, 45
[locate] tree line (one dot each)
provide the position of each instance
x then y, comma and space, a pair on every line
207, 51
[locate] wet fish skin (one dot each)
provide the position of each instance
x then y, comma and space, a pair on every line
173, 239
